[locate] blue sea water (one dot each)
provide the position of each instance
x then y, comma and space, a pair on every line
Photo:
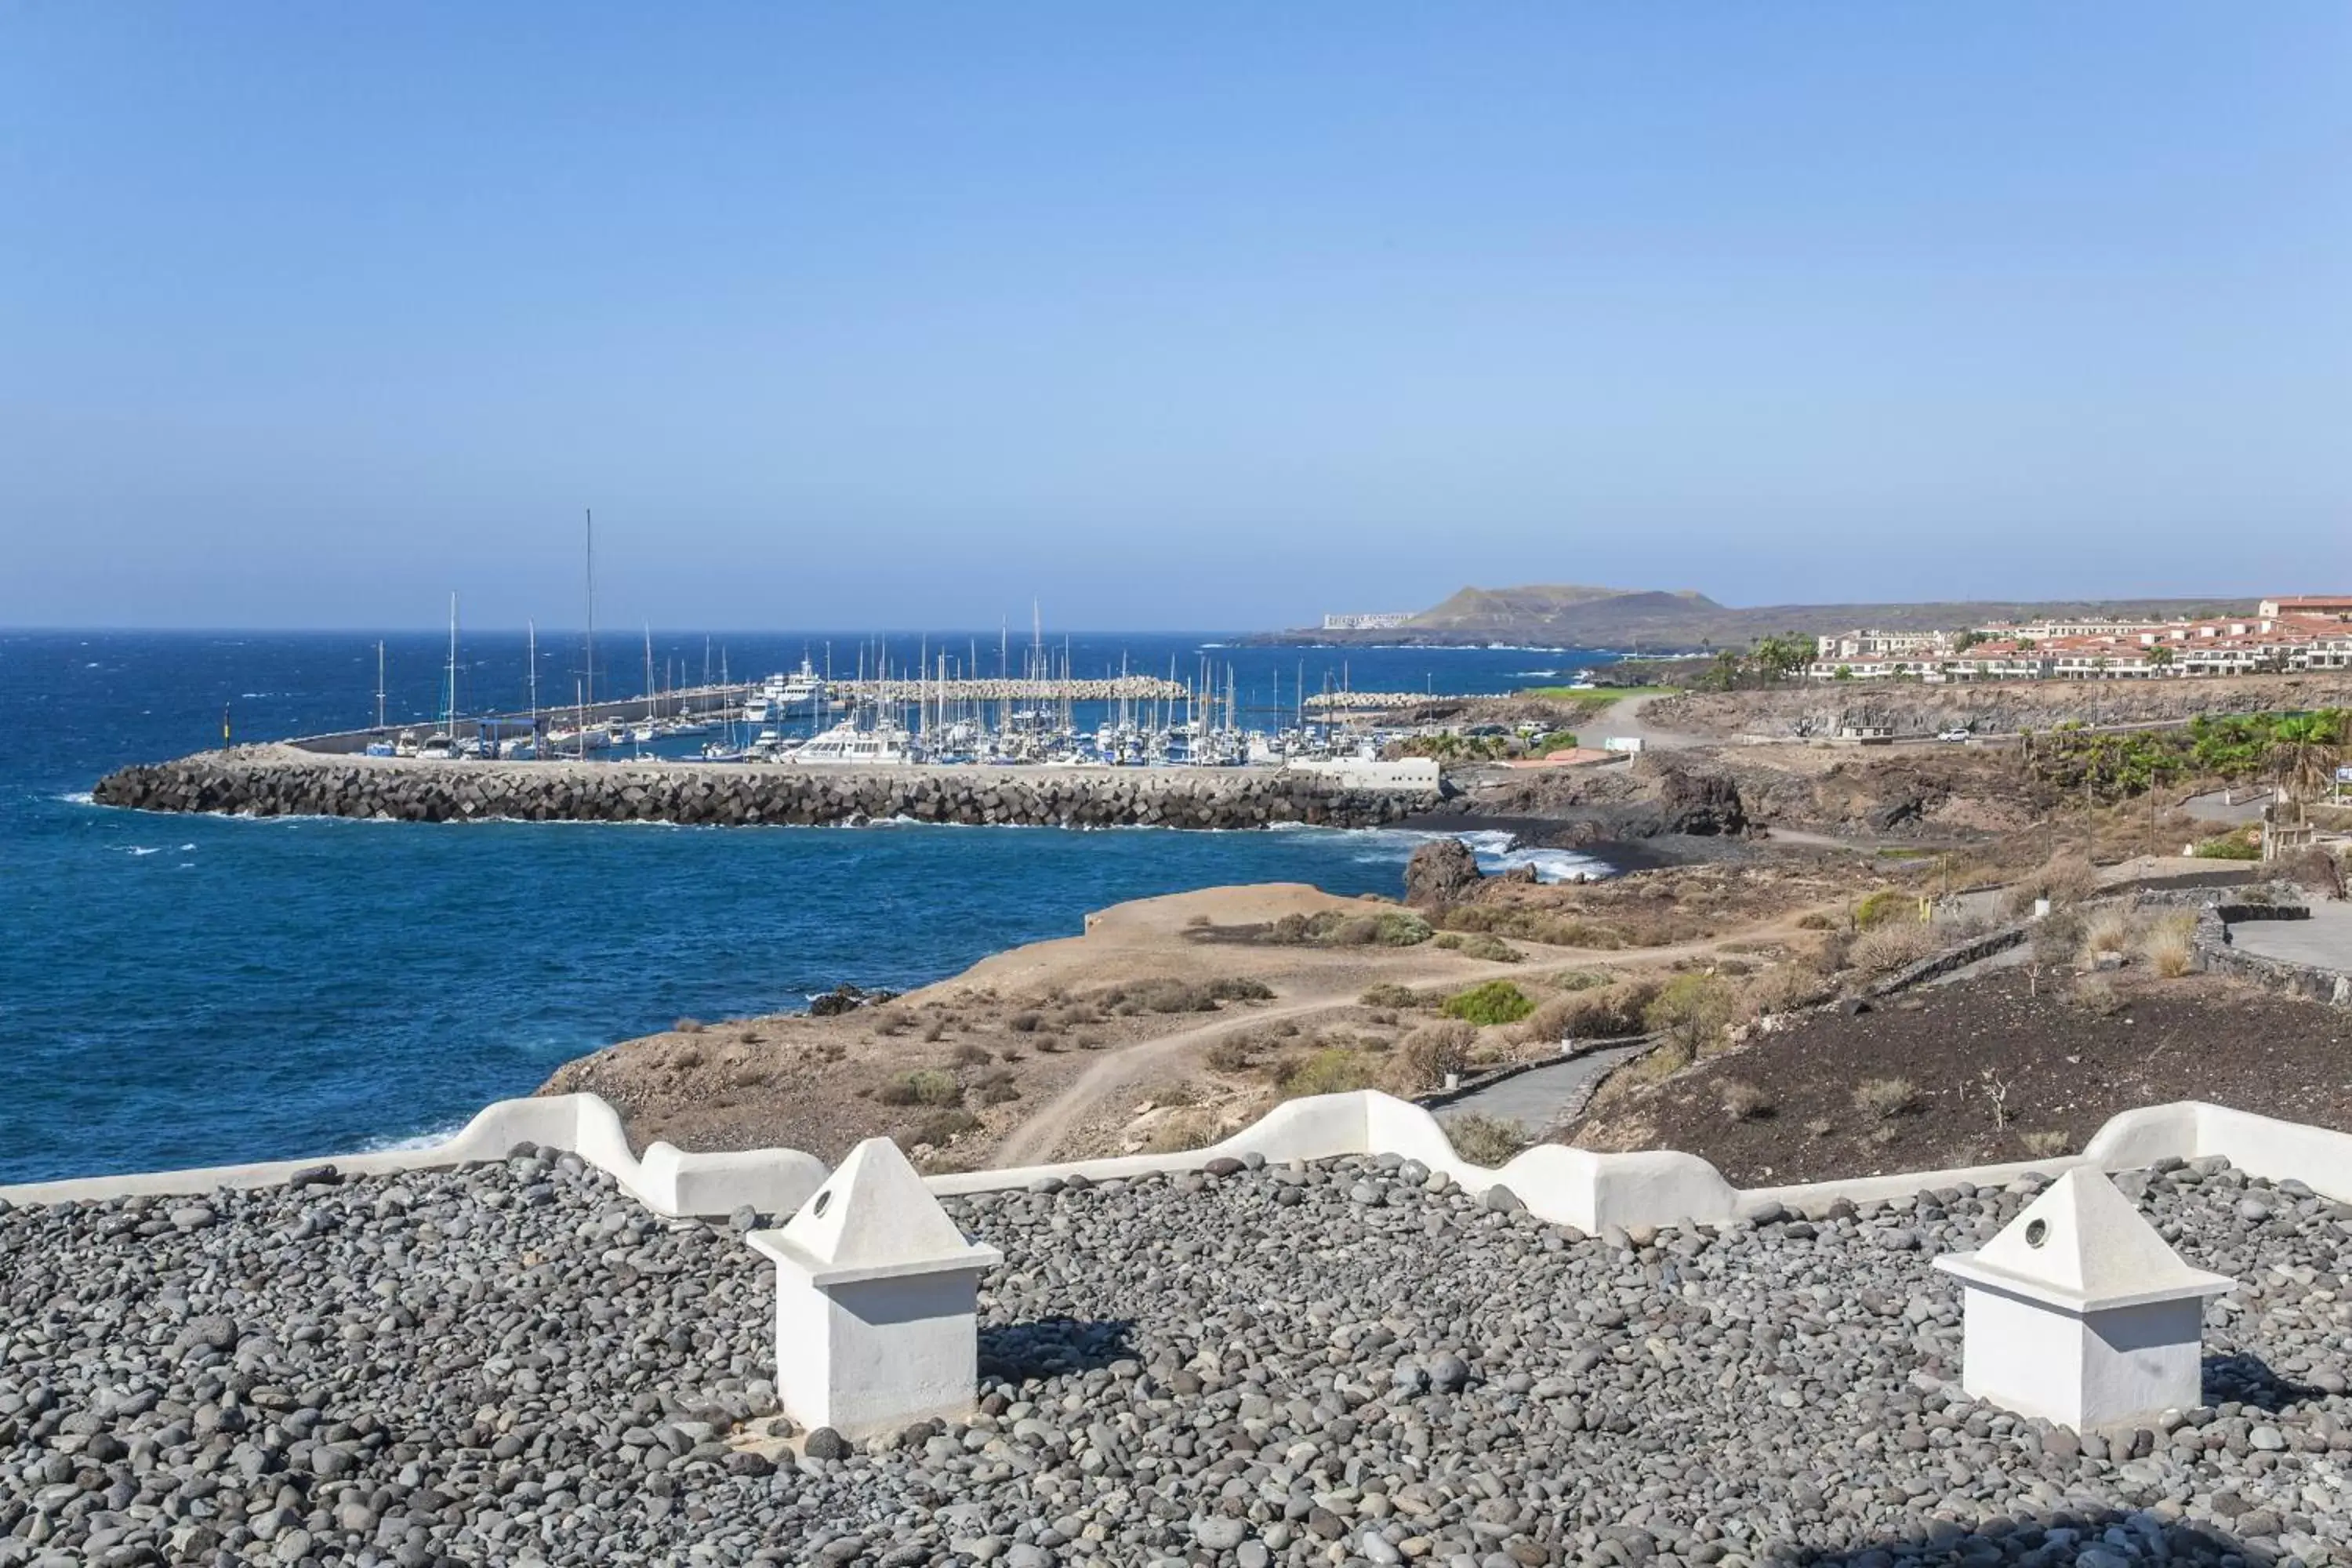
182, 989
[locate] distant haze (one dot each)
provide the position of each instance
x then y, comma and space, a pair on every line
1215, 314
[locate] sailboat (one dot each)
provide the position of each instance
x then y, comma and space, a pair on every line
442, 744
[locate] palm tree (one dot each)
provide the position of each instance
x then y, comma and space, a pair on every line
2304, 747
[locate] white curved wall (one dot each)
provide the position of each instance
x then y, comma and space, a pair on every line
1568, 1187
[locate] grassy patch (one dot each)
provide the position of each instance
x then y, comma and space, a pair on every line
1594, 693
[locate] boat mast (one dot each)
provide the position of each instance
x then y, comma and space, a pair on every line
530, 630
379, 683
450, 728
588, 678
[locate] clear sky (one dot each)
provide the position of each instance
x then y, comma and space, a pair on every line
1197, 314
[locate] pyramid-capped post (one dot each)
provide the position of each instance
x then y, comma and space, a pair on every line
877, 1319
2078, 1311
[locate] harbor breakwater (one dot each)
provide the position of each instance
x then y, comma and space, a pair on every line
283, 781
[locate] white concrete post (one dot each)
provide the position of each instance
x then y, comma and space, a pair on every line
2079, 1313
876, 1312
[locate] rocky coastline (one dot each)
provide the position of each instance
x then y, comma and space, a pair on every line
284, 781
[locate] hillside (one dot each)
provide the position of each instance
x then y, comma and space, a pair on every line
1674, 621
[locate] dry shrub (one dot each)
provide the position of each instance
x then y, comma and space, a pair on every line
970, 1055
1890, 947
1480, 944
2098, 995
1234, 1053
2066, 879
686, 1026
1024, 1023
934, 1029
1744, 1101
1327, 1072
1887, 1098
925, 1086
1816, 921
1488, 1141
1607, 1012
1194, 1127
938, 1130
1184, 996
2105, 931
1431, 1052
2045, 1144
1390, 994
997, 1088
2169, 945
1785, 988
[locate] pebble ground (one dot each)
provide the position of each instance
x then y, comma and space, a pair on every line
1350, 1363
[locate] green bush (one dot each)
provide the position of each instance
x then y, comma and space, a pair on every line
1343, 928
2229, 847
1495, 1002
1886, 904
1692, 1010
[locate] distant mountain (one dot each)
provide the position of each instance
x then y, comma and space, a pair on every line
1573, 614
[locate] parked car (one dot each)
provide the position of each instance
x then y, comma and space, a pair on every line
1953, 735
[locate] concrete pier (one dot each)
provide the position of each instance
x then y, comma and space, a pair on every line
287, 781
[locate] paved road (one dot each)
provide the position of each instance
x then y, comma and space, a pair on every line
2324, 940
1539, 1099
2247, 808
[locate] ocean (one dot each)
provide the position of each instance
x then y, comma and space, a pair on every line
184, 990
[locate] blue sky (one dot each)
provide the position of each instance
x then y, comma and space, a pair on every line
1199, 315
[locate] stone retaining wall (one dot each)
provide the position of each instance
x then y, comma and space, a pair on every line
281, 782
2216, 954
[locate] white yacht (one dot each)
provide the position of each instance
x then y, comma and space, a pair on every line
884, 745
803, 685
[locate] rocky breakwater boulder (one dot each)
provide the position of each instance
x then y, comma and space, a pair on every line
1441, 872
282, 781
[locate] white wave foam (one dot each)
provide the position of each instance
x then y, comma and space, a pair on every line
79, 797
141, 849
187, 848
391, 1145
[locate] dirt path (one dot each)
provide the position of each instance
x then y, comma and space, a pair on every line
1039, 1139
1034, 1140
1624, 719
